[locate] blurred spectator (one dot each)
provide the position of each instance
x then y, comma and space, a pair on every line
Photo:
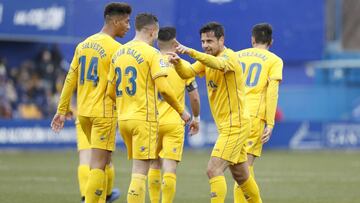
8, 95
31, 91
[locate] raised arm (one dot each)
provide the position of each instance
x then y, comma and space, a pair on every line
221, 62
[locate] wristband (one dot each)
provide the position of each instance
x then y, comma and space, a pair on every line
196, 118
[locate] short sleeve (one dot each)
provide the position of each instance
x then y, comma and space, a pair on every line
158, 66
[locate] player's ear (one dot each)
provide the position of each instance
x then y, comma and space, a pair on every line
271, 43
253, 42
222, 39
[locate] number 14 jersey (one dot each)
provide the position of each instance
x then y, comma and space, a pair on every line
88, 73
260, 66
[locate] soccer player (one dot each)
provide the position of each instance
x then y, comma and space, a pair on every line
171, 126
136, 76
226, 93
263, 71
88, 73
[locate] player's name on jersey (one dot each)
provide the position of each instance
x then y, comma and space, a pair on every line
255, 54
130, 52
95, 46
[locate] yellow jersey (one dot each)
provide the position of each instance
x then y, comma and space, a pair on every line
168, 115
225, 86
133, 69
88, 72
259, 66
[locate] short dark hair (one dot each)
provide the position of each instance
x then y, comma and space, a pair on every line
144, 19
167, 34
117, 8
215, 27
262, 33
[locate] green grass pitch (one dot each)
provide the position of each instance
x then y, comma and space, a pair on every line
283, 176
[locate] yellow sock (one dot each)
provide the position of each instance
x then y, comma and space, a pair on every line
83, 175
239, 196
95, 186
110, 173
154, 185
251, 190
105, 184
251, 170
218, 189
168, 187
137, 189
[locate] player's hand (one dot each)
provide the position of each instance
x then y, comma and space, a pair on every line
57, 122
181, 49
185, 116
173, 58
266, 135
194, 127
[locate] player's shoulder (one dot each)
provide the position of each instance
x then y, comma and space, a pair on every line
275, 57
239, 53
228, 54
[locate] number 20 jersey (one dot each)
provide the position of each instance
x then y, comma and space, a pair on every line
134, 67
260, 66
90, 67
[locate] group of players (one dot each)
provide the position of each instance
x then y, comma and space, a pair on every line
142, 90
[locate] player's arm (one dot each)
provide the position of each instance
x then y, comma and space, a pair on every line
158, 74
111, 86
169, 96
271, 102
192, 90
222, 63
64, 102
184, 69
272, 94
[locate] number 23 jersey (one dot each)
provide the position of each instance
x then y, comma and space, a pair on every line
134, 67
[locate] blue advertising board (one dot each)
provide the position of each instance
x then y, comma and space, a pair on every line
23, 134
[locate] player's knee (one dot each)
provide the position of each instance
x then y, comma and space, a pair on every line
240, 178
213, 172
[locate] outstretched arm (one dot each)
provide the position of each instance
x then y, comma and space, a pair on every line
220, 63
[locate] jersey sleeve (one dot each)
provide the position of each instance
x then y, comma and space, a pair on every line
110, 90
69, 85
199, 68
158, 66
224, 62
276, 70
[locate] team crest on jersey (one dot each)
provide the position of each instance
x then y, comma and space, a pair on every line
212, 84
98, 192
163, 64
142, 148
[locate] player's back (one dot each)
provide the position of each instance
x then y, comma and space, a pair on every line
259, 66
93, 57
167, 114
136, 65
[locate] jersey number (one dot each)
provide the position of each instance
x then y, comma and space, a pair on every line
92, 73
130, 72
253, 67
